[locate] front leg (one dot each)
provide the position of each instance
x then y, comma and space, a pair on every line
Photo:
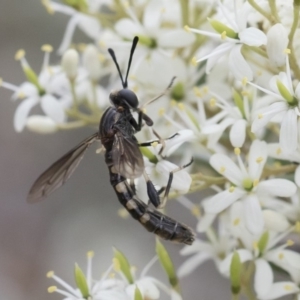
138, 125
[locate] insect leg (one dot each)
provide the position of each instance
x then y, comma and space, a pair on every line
151, 191
169, 184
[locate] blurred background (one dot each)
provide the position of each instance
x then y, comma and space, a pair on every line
82, 215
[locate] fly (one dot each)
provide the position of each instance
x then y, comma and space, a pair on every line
124, 160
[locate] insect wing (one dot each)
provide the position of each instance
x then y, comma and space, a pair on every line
127, 157
59, 172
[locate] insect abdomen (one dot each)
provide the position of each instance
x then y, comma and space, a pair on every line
153, 220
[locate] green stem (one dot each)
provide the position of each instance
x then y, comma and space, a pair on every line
257, 50
184, 12
293, 60
272, 4
71, 125
268, 171
235, 297
261, 11
75, 100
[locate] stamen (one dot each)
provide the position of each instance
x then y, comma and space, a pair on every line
280, 255
123, 213
222, 170
196, 211
260, 116
187, 28
290, 243
181, 106
194, 61
20, 54
154, 144
212, 102
236, 221
255, 182
223, 35
259, 159
288, 287
255, 245
52, 289
161, 111
237, 151
278, 151
231, 189
244, 81
50, 274
287, 51
47, 48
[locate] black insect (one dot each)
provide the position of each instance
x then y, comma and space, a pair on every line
124, 160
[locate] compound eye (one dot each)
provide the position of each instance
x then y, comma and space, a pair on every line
129, 97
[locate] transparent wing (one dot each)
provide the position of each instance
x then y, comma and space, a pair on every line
59, 172
127, 157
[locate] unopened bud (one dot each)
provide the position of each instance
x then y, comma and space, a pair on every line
70, 62
235, 273
41, 124
91, 62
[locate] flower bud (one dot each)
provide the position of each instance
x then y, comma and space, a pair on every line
235, 273
41, 124
81, 282
123, 265
284, 92
137, 294
70, 62
167, 264
275, 221
220, 28
263, 242
91, 62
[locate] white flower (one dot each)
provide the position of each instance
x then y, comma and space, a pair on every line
233, 37
246, 185
286, 104
238, 117
40, 90
150, 31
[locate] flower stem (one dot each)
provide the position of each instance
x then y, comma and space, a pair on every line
75, 100
184, 12
272, 4
293, 60
268, 171
261, 11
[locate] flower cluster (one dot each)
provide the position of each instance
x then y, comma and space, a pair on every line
235, 102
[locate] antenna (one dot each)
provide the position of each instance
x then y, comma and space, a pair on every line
134, 43
112, 54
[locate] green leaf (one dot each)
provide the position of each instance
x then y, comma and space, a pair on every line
122, 264
138, 295
167, 264
235, 273
220, 28
263, 242
81, 282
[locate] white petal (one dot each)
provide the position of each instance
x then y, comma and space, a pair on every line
253, 215
277, 43
175, 295
293, 258
205, 222
238, 65
237, 133
53, 108
253, 37
288, 137
280, 289
225, 166
89, 25
216, 54
258, 154
244, 255
181, 180
263, 278
192, 264
277, 187
152, 15
197, 246
22, 112
297, 176
222, 200
266, 114
175, 142
275, 221
176, 38
41, 124
128, 28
